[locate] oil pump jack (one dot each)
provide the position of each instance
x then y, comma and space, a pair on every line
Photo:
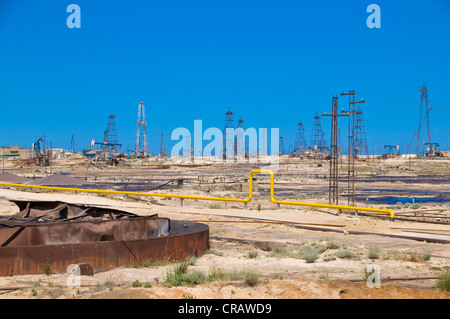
42, 157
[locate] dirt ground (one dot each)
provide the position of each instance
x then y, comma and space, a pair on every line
263, 239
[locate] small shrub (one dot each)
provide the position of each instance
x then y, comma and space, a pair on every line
193, 278
110, 284
215, 274
234, 275
443, 283
329, 258
251, 278
179, 276
278, 251
46, 267
252, 254
308, 253
147, 284
413, 256
319, 248
389, 254
345, 254
214, 206
190, 261
332, 245
158, 263
373, 253
137, 283
426, 256
323, 276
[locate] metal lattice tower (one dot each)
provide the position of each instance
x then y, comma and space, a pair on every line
241, 123
281, 146
111, 137
229, 123
424, 118
300, 141
141, 139
240, 138
317, 136
360, 135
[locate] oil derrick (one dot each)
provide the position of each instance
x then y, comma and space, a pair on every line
300, 141
360, 135
317, 136
141, 139
351, 145
430, 148
162, 152
240, 139
72, 144
228, 142
281, 146
111, 138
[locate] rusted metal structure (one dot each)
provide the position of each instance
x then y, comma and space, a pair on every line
334, 153
50, 236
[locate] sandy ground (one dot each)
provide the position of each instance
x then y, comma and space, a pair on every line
261, 239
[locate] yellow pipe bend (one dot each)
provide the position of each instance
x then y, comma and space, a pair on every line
280, 202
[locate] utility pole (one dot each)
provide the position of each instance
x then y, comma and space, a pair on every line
334, 152
161, 154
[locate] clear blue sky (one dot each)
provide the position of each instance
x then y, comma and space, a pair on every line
275, 63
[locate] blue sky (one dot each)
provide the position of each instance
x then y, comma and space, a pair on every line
275, 63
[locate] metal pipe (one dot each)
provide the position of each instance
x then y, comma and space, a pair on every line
224, 199
272, 198
125, 192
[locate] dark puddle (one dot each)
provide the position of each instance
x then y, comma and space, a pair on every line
407, 200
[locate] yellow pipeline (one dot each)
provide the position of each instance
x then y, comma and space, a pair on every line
281, 202
241, 200
126, 193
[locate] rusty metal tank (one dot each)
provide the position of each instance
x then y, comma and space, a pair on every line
49, 236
